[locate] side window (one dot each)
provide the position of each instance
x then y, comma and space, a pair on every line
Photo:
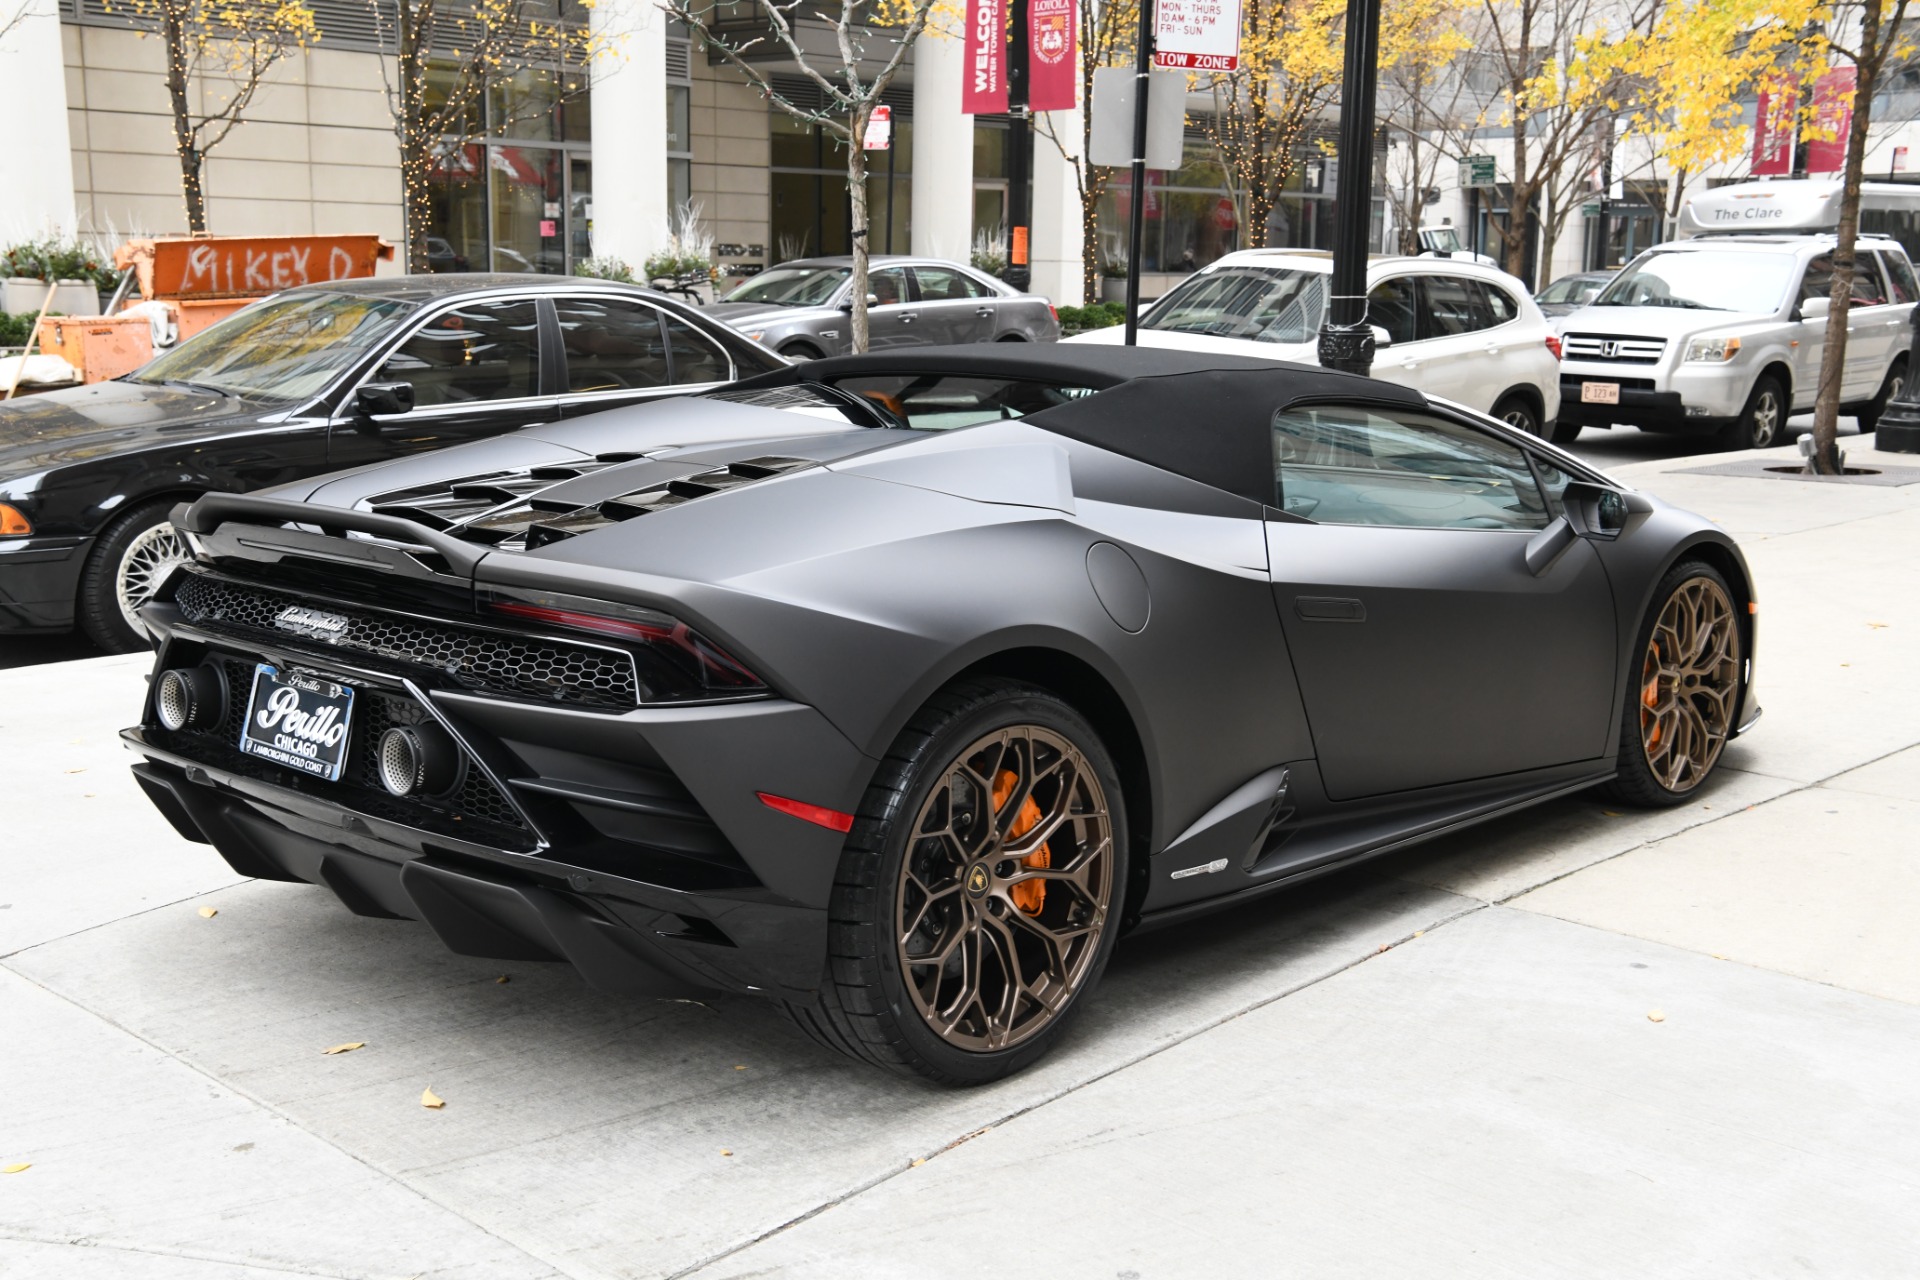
1818, 282
1500, 304
1868, 289
482, 351
939, 284
1390, 305
1900, 276
1553, 483
611, 344
695, 357
888, 286
1351, 465
1453, 306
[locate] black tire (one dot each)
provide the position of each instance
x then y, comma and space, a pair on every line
1867, 416
801, 351
139, 548
1639, 780
1762, 424
1518, 411
867, 1007
1563, 432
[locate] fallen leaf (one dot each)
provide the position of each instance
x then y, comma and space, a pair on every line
1419, 933
505, 977
208, 913
348, 1047
80, 770
431, 1100
1656, 1016
740, 1067
1879, 626
917, 1163
16, 1168
1718, 956
1846, 664
725, 1152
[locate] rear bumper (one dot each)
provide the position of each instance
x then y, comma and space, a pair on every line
39, 578
630, 845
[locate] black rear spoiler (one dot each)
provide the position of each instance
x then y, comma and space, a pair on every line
262, 518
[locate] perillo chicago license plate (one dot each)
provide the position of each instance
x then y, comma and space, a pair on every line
299, 721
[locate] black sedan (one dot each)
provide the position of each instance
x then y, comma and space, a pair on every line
314, 380
896, 687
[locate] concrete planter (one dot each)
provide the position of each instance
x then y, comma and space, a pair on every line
76, 298
21, 295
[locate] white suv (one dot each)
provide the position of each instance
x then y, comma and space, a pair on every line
1723, 335
1452, 329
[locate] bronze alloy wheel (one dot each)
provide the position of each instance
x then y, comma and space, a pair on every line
1689, 680
1007, 885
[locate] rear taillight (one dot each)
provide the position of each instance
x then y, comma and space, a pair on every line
1553, 344
1053, 311
675, 662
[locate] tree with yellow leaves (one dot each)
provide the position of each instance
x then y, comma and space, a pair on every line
1420, 92
1108, 29
224, 49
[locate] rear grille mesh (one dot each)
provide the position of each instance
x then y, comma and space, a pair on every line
493, 661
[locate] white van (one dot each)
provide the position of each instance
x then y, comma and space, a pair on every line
1722, 334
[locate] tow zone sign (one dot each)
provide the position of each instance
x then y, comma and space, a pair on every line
1197, 35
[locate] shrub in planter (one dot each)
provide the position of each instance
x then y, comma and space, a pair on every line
1098, 315
607, 268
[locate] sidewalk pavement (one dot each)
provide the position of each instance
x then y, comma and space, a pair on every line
1447, 1062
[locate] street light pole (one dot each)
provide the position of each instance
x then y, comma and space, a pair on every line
1346, 339
1137, 197
1019, 272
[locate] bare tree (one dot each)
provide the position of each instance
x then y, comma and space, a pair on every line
850, 88
1423, 94
1107, 32
227, 47
8, 21
446, 54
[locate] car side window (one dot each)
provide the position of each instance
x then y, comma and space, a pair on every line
1347, 464
942, 284
888, 286
695, 357
1453, 307
1818, 281
1868, 289
1391, 305
1553, 485
1501, 307
1900, 277
480, 351
611, 344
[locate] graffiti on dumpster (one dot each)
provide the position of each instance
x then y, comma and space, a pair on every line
213, 268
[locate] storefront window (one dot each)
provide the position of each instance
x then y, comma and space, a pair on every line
810, 212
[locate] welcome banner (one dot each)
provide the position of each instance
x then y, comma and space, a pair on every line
984, 89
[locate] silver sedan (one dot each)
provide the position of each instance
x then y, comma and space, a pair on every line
803, 309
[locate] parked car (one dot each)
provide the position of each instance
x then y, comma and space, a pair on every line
801, 308
1447, 327
896, 687
313, 380
1722, 335
1571, 292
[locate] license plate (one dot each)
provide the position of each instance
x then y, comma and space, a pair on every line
1599, 393
298, 721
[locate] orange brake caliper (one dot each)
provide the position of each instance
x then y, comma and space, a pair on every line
1031, 895
1650, 696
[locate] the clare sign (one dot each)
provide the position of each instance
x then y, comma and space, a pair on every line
1197, 35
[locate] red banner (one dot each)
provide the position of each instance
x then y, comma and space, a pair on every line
1773, 134
984, 91
1833, 116
1053, 72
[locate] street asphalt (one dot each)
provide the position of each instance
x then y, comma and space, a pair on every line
1580, 1042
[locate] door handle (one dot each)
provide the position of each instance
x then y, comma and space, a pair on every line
1329, 609
906, 317
983, 311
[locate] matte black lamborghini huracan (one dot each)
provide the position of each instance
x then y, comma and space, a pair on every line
896, 687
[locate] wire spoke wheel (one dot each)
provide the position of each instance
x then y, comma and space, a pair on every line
1689, 679
147, 561
1006, 888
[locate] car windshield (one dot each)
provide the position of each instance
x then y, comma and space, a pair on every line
287, 347
1264, 304
1441, 239
791, 286
1571, 289
1703, 280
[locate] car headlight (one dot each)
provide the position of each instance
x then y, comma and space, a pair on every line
1712, 350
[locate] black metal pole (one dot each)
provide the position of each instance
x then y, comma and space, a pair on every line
1019, 272
1137, 202
1346, 340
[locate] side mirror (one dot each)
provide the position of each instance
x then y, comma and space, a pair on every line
383, 399
873, 299
1598, 511
1816, 308
1381, 338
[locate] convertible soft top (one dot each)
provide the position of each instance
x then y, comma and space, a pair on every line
1201, 415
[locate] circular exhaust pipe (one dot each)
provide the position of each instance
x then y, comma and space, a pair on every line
190, 698
417, 759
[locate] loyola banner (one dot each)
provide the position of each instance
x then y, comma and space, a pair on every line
984, 89
1833, 116
1773, 134
1053, 71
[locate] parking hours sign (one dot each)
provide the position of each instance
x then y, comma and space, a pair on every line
1197, 35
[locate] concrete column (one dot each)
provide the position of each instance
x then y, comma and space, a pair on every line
942, 152
37, 195
630, 132
1058, 231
